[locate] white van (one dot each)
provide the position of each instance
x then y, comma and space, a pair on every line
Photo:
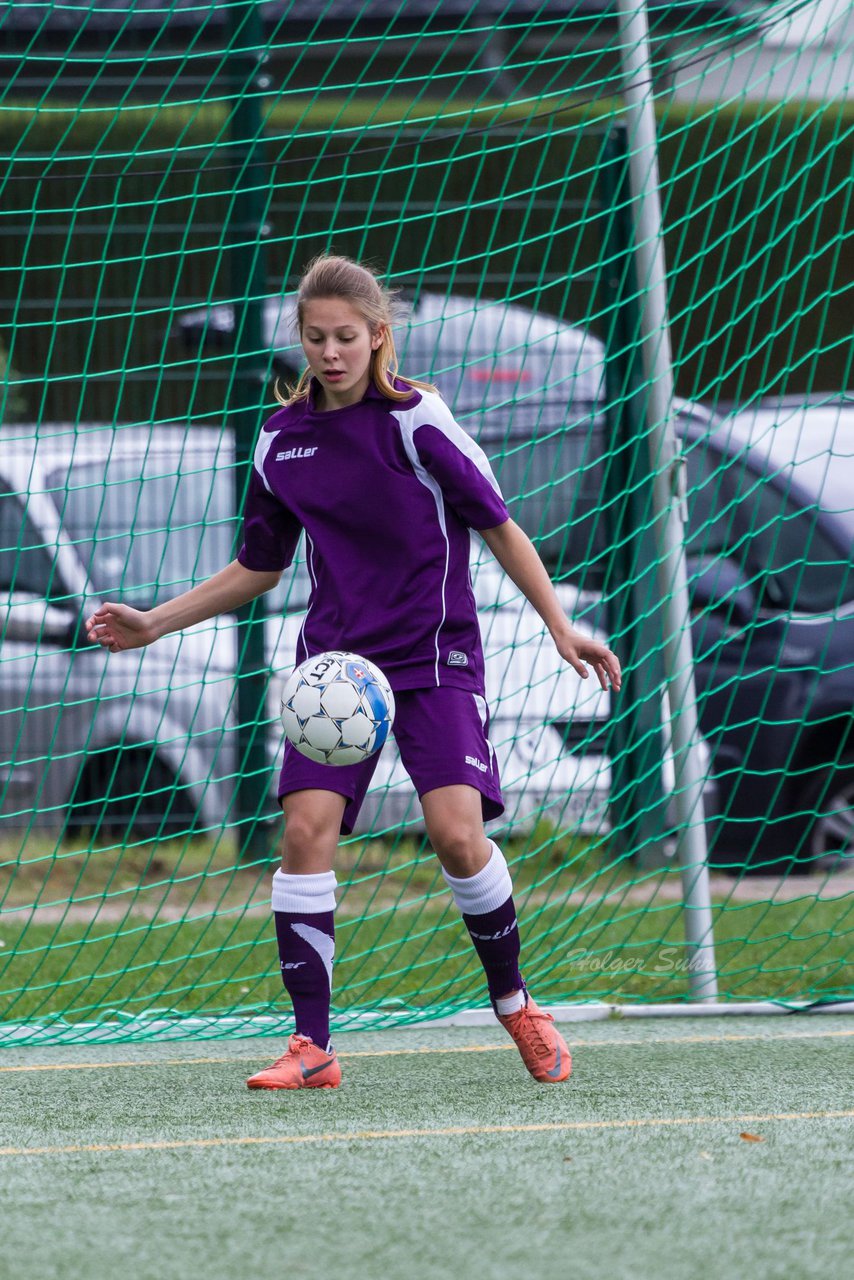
144, 742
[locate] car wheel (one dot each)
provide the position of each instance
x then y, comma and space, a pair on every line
828, 800
134, 797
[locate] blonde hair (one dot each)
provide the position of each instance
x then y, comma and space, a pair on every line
333, 276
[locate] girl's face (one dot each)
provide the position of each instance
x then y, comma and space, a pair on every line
338, 346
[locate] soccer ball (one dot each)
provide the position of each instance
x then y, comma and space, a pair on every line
337, 708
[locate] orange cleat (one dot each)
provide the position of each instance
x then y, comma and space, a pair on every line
543, 1048
304, 1066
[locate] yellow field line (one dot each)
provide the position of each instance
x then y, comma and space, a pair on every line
455, 1131
471, 1048
245, 1057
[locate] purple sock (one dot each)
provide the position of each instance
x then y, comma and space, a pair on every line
306, 938
306, 947
495, 935
486, 903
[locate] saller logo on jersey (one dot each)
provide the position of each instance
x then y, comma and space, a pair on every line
457, 659
287, 454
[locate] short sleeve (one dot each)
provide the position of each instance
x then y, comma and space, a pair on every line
270, 531
460, 468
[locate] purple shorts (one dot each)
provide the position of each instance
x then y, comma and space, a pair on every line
442, 736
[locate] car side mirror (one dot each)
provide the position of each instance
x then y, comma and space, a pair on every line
718, 585
31, 618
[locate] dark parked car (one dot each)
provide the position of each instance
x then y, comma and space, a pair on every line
771, 563
770, 560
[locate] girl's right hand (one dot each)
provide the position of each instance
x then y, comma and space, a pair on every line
118, 626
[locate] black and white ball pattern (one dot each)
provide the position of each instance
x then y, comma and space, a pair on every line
337, 708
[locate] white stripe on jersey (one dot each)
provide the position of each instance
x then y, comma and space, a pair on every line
309, 564
262, 448
407, 427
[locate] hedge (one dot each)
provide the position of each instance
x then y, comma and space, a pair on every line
503, 201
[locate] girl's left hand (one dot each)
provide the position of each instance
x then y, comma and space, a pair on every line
577, 649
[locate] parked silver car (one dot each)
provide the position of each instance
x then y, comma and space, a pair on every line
145, 740
529, 387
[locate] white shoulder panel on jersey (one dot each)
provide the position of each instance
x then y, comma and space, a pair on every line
432, 411
406, 425
262, 448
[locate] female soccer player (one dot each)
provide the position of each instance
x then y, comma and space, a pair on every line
387, 488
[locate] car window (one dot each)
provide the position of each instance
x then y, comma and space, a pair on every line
800, 567
709, 501
758, 522
25, 563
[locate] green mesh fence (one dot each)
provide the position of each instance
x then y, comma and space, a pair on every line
166, 176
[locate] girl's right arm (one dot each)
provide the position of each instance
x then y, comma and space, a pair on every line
118, 626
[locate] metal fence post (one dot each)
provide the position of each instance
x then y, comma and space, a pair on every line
245, 236
635, 739
654, 339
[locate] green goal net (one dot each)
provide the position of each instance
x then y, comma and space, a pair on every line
167, 173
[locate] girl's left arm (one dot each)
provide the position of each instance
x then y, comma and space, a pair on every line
518, 557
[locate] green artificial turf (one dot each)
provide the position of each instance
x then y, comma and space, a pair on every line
609, 1187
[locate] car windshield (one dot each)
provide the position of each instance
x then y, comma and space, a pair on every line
796, 551
149, 526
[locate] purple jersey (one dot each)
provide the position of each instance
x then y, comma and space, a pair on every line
387, 493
